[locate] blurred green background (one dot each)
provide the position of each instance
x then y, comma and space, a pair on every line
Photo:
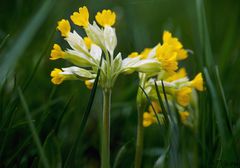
27, 33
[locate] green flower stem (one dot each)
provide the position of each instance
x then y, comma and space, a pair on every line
105, 155
141, 103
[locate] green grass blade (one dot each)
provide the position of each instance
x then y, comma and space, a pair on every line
149, 101
21, 43
4, 41
33, 130
162, 105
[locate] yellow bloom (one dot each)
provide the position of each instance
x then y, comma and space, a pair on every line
177, 46
148, 119
57, 77
180, 74
64, 27
184, 116
183, 96
89, 84
155, 106
106, 18
133, 55
197, 82
168, 57
88, 42
56, 52
144, 53
81, 18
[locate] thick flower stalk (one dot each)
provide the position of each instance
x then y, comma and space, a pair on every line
180, 90
92, 51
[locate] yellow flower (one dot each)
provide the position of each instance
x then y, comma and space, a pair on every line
180, 74
197, 82
177, 46
89, 84
144, 53
155, 106
184, 116
57, 77
64, 27
106, 18
88, 42
56, 52
148, 119
133, 55
183, 96
81, 18
168, 57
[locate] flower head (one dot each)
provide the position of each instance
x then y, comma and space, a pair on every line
106, 18
64, 27
133, 55
148, 119
168, 57
181, 73
175, 44
184, 116
88, 42
183, 96
57, 77
144, 53
197, 82
81, 18
56, 52
89, 83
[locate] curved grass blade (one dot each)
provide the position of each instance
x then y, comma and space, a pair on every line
149, 101
33, 130
85, 117
162, 105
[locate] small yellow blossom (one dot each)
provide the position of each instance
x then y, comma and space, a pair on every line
144, 53
167, 56
148, 119
183, 96
89, 84
184, 116
57, 78
180, 74
56, 52
64, 27
88, 42
81, 18
197, 82
133, 55
177, 46
155, 106
106, 18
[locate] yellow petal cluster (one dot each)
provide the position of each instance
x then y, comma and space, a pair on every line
168, 57
88, 42
64, 27
148, 119
133, 55
184, 116
57, 77
197, 82
81, 18
56, 52
183, 96
89, 84
175, 44
181, 73
144, 53
106, 18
